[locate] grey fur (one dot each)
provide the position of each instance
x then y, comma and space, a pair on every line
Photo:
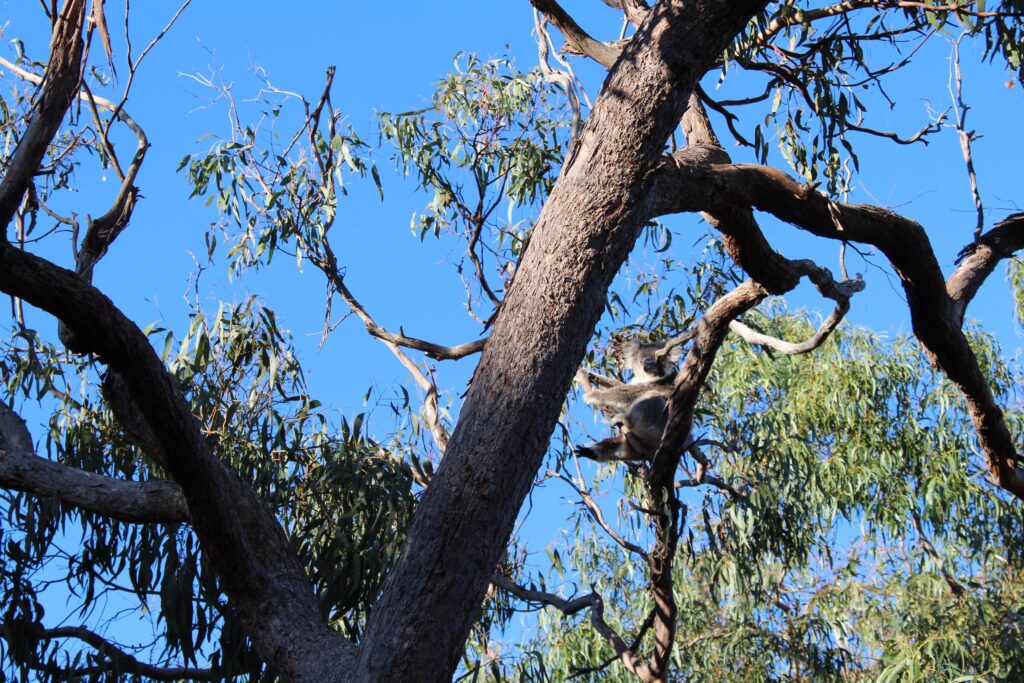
638, 408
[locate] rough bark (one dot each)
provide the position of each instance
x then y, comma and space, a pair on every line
586, 230
711, 332
267, 586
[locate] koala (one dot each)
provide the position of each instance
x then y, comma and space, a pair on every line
637, 408
653, 370
640, 429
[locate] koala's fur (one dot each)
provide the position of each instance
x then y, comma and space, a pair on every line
638, 408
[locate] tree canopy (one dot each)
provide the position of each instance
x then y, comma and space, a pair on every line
827, 500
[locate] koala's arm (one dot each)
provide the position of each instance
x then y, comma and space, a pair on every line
617, 399
588, 380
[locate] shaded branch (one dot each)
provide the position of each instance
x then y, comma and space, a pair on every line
129, 501
242, 540
124, 662
711, 332
102, 231
936, 313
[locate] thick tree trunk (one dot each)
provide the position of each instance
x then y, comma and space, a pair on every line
585, 232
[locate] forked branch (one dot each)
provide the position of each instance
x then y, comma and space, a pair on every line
595, 604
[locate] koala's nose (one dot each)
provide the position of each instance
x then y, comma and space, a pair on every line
651, 366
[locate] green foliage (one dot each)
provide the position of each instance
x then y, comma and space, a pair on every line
273, 200
860, 544
1015, 275
821, 80
856, 539
490, 135
342, 501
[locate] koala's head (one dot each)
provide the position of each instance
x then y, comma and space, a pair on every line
644, 362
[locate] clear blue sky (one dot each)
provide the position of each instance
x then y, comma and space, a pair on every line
388, 56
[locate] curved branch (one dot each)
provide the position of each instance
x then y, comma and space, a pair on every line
978, 259
394, 342
602, 53
119, 658
129, 501
430, 349
595, 604
839, 292
243, 541
936, 308
103, 230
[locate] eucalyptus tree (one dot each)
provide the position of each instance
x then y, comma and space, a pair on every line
813, 510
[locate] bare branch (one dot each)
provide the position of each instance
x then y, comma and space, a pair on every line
563, 78
674, 342
104, 230
129, 501
595, 604
978, 259
839, 292
635, 11
602, 53
956, 91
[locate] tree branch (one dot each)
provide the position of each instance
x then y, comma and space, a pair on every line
61, 79
936, 313
120, 659
595, 604
978, 259
602, 53
267, 585
839, 292
129, 501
